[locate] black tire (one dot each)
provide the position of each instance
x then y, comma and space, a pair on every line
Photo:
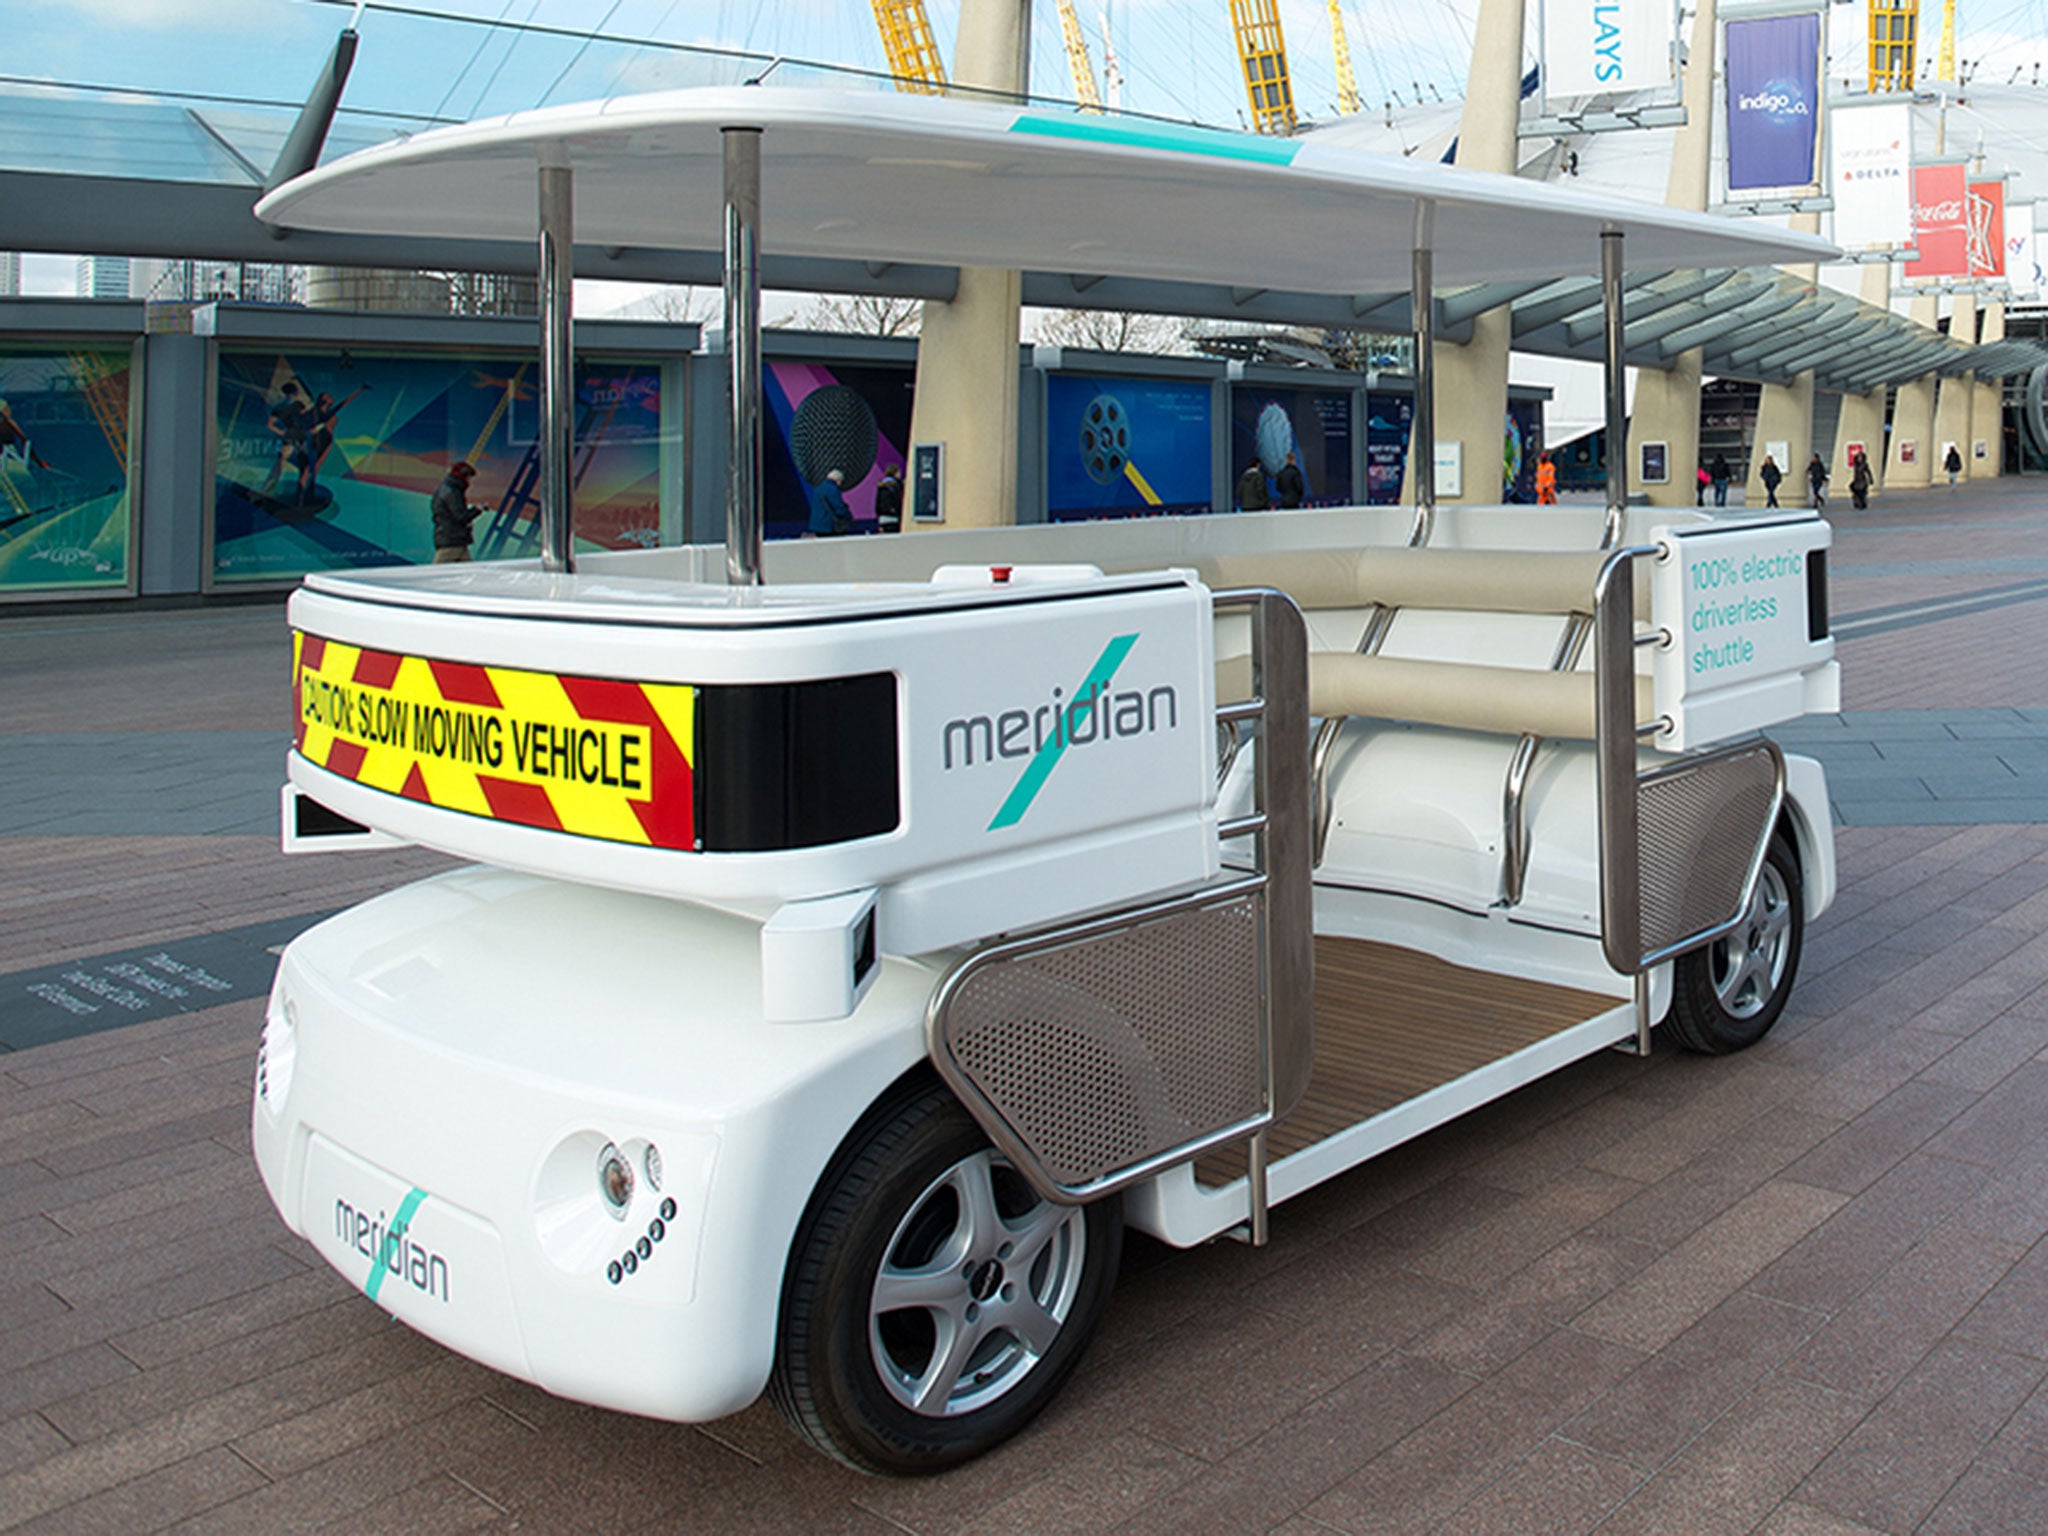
903, 1194
1727, 996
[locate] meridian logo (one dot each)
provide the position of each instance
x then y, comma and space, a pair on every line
390, 1248
1092, 715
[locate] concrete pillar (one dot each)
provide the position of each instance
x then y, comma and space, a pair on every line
1862, 418
172, 487
966, 394
1784, 412
1667, 405
1913, 416
1954, 396
1987, 411
1472, 380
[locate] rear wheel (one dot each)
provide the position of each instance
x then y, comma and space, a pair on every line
1727, 996
935, 1301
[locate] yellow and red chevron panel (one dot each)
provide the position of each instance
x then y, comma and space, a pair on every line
593, 757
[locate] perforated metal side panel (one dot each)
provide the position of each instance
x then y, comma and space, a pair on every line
1703, 828
1100, 1053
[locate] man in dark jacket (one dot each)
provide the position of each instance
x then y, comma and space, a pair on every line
1770, 474
830, 514
1251, 488
1721, 473
1817, 477
453, 514
889, 501
1293, 489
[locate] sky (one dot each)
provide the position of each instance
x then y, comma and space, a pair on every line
1177, 56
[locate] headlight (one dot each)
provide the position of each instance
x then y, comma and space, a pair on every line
278, 1051
615, 1180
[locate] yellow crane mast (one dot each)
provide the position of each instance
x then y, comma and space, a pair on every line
1340, 52
907, 39
1894, 37
1078, 64
1945, 65
1263, 51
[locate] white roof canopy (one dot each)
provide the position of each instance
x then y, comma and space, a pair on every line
929, 180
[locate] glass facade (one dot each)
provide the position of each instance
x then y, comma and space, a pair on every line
329, 460
66, 437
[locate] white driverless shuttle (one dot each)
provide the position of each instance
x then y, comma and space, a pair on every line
859, 933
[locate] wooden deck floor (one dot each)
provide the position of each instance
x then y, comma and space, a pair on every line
1391, 1024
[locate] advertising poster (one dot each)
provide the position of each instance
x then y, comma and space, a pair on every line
1986, 216
64, 461
1387, 421
1268, 423
1941, 230
1520, 444
1773, 66
854, 418
2022, 268
1873, 176
1592, 46
1124, 447
329, 461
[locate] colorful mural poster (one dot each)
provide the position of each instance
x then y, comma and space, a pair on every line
854, 418
1387, 420
1269, 422
65, 440
1125, 447
329, 460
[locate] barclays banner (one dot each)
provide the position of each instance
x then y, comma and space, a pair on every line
1773, 68
1595, 46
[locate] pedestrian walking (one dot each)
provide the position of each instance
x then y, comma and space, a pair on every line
1770, 474
1293, 489
1699, 498
1817, 477
1251, 488
889, 501
1859, 481
453, 514
830, 515
1953, 463
1546, 480
1720, 471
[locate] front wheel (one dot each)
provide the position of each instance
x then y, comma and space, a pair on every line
935, 1301
1727, 996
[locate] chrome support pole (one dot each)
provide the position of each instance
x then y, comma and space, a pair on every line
1255, 1177
1642, 993
1615, 362
1614, 709
743, 355
557, 369
1422, 428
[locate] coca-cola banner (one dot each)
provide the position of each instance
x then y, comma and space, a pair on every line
1941, 229
1595, 46
1873, 176
1773, 101
1986, 219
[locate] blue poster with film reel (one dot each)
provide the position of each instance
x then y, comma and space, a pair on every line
1124, 447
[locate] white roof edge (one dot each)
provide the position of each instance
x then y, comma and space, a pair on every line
973, 183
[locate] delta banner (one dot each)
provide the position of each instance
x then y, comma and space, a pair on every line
65, 443
1872, 176
329, 461
1591, 47
1986, 217
1773, 66
1941, 225
1267, 423
2022, 258
1126, 447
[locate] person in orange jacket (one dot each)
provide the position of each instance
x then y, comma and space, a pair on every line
1546, 480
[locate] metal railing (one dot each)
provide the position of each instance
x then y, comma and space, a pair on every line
1101, 1053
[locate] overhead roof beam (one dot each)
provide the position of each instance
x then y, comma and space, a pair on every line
1824, 328
1645, 303
1799, 326
1816, 350
1472, 302
1753, 315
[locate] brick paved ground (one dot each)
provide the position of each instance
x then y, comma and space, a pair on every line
1801, 1292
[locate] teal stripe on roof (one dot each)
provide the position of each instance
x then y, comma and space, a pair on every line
1187, 141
